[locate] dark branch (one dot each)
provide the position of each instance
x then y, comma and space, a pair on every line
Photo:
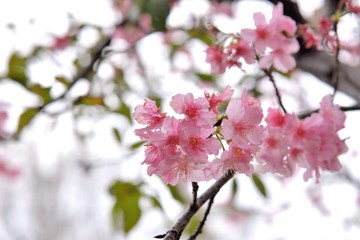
84, 72
179, 226
345, 109
202, 223
195, 188
272, 80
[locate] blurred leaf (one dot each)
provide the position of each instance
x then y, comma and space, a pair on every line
126, 208
158, 10
117, 134
259, 185
193, 224
63, 80
36, 51
156, 203
176, 194
206, 77
234, 188
202, 34
256, 93
89, 100
42, 92
16, 69
120, 79
26, 118
137, 145
125, 111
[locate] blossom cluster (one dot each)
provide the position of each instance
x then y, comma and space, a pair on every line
312, 143
203, 144
274, 43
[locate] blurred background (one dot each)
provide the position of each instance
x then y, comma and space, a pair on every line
71, 73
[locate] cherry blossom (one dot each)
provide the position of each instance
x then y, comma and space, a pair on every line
195, 110
242, 126
261, 36
217, 59
199, 147
216, 99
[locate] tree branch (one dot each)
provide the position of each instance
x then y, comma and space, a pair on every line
195, 190
179, 226
202, 223
272, 80
345, 109
82, 73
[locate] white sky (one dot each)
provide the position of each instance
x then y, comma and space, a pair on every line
301, 221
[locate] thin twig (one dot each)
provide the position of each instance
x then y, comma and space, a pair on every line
181, 223
96, 56
202, 223
344, 109
335, 73
272, 80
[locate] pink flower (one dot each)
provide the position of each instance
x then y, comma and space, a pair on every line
281, 56
222, 8
351, 7
241, 49
310, 38
195, 110
60, 43
242, 126
180, 149
332, 114
186, 170
152, 158
237, 159
217, 59
261, 36
215, 100
325, 26
148, 114
282, 24
272, 155
196, 142
275, 118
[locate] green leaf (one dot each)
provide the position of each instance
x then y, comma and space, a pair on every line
156, 203
158, 10
234, 188
42, 92
137, 145
90, 100
176, 194
202, 34
117, 134
16, 69
125, 111
120, 79
126, 209
259, 185
206, 77
63, 80
26, 118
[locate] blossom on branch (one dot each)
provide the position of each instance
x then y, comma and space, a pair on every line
189, 148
